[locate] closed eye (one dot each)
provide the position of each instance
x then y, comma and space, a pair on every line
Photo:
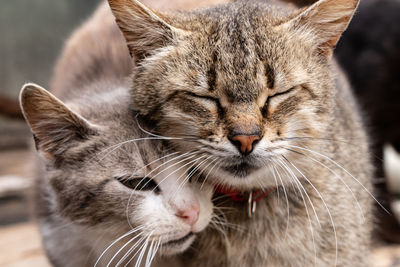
276, 98
216, 100
139, 184
280, 94
207, 98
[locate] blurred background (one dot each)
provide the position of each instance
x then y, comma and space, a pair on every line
32, 36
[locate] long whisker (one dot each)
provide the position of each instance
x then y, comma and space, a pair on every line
287, 199
337, 176
118, 239
326, 207
342, 168
142, 252
136, 253
212, 168
193, 171
149, 253
300, 188
116, 146
124, 246
157, 135
153, 253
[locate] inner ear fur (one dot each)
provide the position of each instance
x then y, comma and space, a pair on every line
144, 29
327, 20
54, 126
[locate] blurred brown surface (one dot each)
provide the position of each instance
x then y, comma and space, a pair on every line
15, 184
15, 162
20, 245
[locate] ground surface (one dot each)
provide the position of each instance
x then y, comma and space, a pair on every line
20, 246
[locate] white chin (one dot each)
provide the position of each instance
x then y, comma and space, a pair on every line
176, 248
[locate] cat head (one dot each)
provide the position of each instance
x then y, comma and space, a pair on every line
236, 82
104, 175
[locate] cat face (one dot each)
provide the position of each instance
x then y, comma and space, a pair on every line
237, 84
104, 175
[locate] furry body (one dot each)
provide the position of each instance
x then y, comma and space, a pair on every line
253, 70
90, 157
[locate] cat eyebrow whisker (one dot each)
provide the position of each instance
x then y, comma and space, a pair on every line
155, 135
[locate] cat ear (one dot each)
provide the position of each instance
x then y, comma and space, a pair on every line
327, 20
144, 30
55, 127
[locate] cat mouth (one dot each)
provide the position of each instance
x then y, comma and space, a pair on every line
241, 170
180, 241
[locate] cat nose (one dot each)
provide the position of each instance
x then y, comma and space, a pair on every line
245, 143
190, 215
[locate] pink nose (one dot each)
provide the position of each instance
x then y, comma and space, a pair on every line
190, 215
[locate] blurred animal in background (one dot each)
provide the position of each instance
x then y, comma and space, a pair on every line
392, 171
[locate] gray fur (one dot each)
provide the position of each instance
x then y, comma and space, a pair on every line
87, 146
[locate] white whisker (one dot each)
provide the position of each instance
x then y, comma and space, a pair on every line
342, 168
326, 207
118, 239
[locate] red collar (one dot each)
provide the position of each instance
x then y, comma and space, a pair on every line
243, 197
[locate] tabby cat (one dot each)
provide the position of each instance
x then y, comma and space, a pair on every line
254, 89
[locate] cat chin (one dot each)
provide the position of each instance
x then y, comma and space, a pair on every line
177, 246
261, 176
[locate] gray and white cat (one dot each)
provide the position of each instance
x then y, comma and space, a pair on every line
101, 181
254, 89
107, 193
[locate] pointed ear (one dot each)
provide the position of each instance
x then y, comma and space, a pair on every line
327, 20
144, 30
55, 127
